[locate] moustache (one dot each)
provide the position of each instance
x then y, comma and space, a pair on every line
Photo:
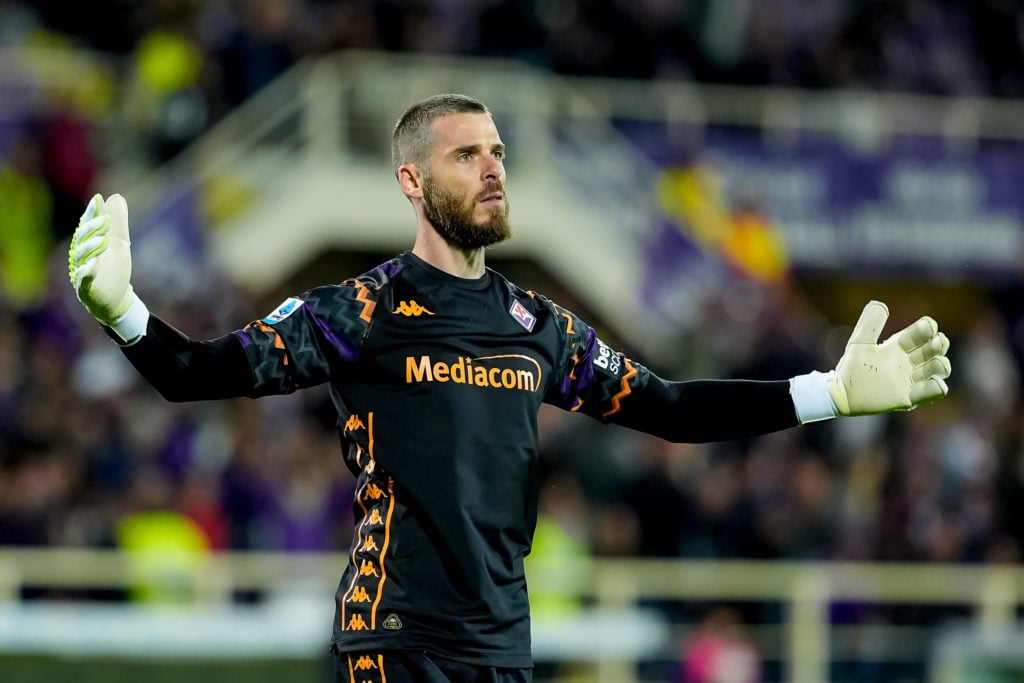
492, 187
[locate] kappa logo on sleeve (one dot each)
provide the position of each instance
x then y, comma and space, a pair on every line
287, 307
522, 316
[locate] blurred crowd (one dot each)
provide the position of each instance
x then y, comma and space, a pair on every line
87, 450
190, 61
82, 441
937, 46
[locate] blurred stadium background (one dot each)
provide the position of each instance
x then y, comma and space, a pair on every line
718, 186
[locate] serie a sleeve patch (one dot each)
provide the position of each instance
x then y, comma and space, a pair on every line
285, 309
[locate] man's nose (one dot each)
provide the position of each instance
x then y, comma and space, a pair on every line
493, 169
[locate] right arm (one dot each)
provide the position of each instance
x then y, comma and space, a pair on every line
254, 361
184, 369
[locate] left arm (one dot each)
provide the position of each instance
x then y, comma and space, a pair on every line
610, 387
906, 370
699, 411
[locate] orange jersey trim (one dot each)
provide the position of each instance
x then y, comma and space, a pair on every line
624, 391
383, 554
568, 322
361, 537
278, 342
363, 297
362, 679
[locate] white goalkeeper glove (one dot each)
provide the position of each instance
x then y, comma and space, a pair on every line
100, 268
906, 370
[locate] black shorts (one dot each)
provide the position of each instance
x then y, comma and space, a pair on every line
401, 666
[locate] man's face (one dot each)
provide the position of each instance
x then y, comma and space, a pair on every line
464, 187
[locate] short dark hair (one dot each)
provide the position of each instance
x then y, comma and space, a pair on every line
413, 136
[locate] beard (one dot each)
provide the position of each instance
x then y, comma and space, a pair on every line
452, 217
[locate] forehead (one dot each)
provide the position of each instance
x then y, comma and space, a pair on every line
460, 130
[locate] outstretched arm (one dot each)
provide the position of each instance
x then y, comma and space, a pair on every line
181, 369
701, 411
184, 369
907, 370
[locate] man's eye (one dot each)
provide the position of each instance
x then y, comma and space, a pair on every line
464, 156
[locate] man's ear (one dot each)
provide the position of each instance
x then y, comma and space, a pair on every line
410, 179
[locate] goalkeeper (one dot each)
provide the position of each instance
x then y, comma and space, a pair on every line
438, 366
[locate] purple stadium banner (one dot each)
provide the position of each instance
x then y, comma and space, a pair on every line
930, 213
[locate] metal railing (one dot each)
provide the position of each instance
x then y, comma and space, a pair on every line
990, 594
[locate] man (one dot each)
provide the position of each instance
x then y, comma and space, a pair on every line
438, 366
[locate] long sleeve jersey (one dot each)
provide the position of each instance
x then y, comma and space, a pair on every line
437, 381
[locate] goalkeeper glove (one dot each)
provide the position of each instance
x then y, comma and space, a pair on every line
906, 370
100, 268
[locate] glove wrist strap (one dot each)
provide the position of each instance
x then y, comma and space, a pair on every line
131, 326
811, 397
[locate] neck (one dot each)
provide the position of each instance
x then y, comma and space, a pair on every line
433, 249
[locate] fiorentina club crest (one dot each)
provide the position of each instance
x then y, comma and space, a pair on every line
522, 316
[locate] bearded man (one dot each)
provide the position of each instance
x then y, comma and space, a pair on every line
437, 366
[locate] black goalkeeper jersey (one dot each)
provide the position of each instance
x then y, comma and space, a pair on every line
438, 381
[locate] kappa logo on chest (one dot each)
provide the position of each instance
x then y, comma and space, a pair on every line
411, 309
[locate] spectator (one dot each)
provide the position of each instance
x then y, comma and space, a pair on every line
721, 651
27, 237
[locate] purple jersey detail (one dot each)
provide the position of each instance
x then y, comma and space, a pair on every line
345, 350
576, 383
244, 338
392, 268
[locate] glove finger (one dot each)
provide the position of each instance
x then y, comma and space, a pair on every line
82, 272
89, 222
92, 209
936, 367
916, 334
87, 227
84, 232
869, 325
924, 392
936, 346
90, 247
117, 210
